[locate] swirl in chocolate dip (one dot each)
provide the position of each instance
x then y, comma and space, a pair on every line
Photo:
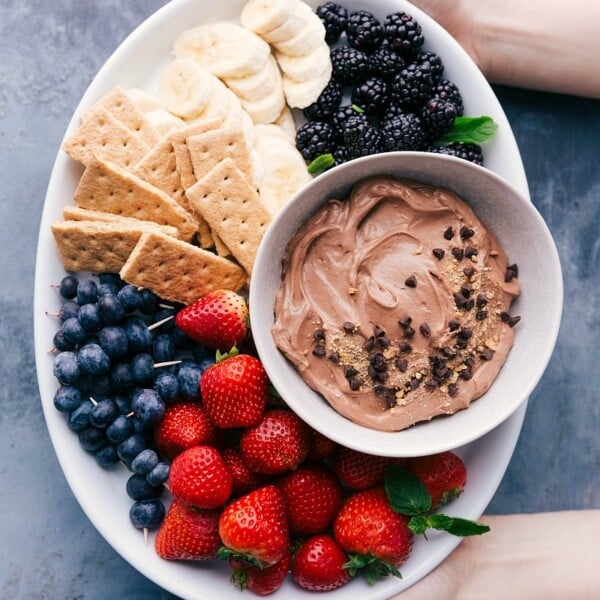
394, 304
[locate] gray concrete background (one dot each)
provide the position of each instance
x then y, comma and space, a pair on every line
50, 50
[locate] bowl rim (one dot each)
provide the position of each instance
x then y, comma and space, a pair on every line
359, 437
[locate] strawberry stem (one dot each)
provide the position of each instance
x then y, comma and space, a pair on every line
221, 356
373, 568
225, 553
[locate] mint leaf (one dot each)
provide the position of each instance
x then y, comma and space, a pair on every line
440, 521
357, 109
471, 130
321, 163
418, 525
406, 493
464, 527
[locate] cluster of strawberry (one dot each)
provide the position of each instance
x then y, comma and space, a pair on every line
255, 485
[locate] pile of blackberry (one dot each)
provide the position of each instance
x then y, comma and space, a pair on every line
120, 360
399, 98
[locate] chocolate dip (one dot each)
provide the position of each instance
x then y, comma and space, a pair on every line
394, 304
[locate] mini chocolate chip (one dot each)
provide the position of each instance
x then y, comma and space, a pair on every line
465, 333
414, 383
514, 268
458, 253
510, 274
449, 352
380, 376
405, 347
452, 389
378, 361
466, 232
377, 331
470, 252
409, 332
466, 374
453, 324
319, 351
442, 373
354, 384
383, 341
466, 290
425, 330
349, 371
401, 364
319, 334
334, 357
431, 384
469, 304
469, 271
481, 301
469, 360
369, 344
438, 253
487, 354
405, 321
348, 327
379, 390
505, 316
480, 315
449, 233
514, 320
459, 300
461, 344
411, 282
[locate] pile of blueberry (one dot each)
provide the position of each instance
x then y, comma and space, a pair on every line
119, 360
399, 98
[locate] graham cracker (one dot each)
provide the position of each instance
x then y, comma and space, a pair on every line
120, 105
75, 213
177, 271
220, 247
107, 187
101, 247
233, 209
103, 135
210, 148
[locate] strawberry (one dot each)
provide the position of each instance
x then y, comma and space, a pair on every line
320, 447
234, 391
319, 564
255, 528
244, 480
278, 443
444, 475
313, 497
188, 533
260, 581
183, 426
367, 527
357, 470
200, 476
218, 320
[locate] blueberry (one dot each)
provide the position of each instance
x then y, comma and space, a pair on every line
111, 278
130, 298
97, 385
121, 377
89, 317
148, 405
107, 288
66, 367
61, 343
106, 456
181, 339
80, 418
67, 398
68, 287
120, 429
159, 315
104, 413
141, 427
73, 331
163, 348
200, 352
68, 310
87, 291
138, 335
147, 514
130, 447
159, 474
167, 385
189, 379
139, 489
113, 340
123, 402
111, 310
93, 360
92, 438
149, 302
144, 462
207, 362
142, 368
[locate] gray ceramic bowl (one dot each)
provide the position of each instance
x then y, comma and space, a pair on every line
527, 241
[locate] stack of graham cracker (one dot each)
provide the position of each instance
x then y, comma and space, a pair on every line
178, 214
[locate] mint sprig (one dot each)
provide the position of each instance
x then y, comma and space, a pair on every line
473, 130
408, 496
321, 163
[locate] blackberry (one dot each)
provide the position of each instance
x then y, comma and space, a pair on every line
385, 63
446, 90
313, 139
335, 20
393, 109
326, 104
438, 116
340, 154
349, 65
464, 150
339, 119
432, 62
361, 138
412, 86
403, 132
371, 95
403, 33
364, 31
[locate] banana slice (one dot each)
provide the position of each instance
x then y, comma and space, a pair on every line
287, 123
143, 101
268, 108
300, 94
283, 174
263, 132
220, 103
258, 85
224, 49
307, 67
185, 89
163, 121
308, 40
291, 27
262, 16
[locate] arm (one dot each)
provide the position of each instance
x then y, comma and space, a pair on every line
545, 556
550, 46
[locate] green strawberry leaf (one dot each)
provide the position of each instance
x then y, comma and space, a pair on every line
321, 163
221, 356
418, 525
373, 568
225, 553
470, 129
406, 493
